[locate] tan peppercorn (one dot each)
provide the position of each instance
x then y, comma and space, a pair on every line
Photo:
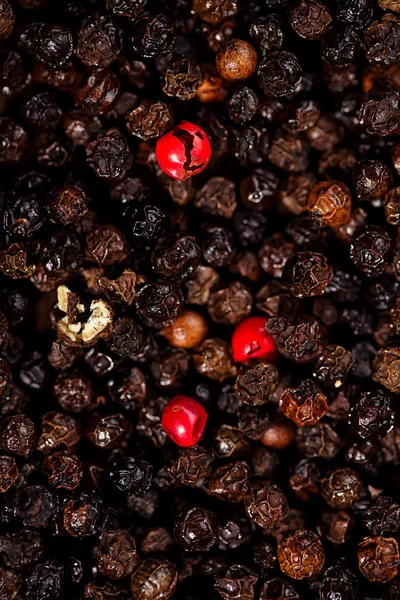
301, 554
329, 203
187, 331
237, 61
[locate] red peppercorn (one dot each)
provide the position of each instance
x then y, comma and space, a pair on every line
184, 420
250, 340
184, 151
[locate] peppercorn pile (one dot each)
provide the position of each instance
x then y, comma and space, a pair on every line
199, 299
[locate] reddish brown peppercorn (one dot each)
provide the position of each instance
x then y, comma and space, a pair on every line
154, 579
301, 554
8, 473
307, 274
378, 558
329, 203
237, 61
304, 404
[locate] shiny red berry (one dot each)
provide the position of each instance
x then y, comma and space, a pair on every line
250, 340
184, 151
184, 420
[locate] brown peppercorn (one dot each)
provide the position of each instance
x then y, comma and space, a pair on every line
106, 245
230, 443
117, 554
274, 254
8, 473
107, 432
59, 431
229, 482
390, 5
304, 404
279, 434
378, 558
329, 203
310, 19
256, 382
64, 470
7, 19
237, 583
341, 488
154, 579
188, 331
335, 526
212, 89
214, 11
17, 435
333, 366
305, 480
392, 206
318, 440
149, 120
237, 61
386, 367
266, 504
192, 465
307, 274
301, 554
213, 358
230, 304
196, 529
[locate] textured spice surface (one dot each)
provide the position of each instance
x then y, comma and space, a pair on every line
199, 299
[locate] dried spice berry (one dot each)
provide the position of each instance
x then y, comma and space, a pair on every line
310, 19
192, 465
106, 432
279, 74
370, 250
372, 416
154, 35
182, 79
386, 367
213, 359
304, 404
67, 204
229, 305
149, 120
64, 470
98, 90
298, 338
187, 331
17, 435
83, 515
176, 256
392, 206
158, 304
378, 558
319, 440
109, 155
117, 554
183, 152
266, 504
7, 19
301, 554
8, 473
329, 203
372, 180
383, 516
237, 60
154, 579
217, 197
256, 382
99, 41
184, 420
341, 488
307, 274
229, 482
274, 254
237, 582
196, 530
333, 366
